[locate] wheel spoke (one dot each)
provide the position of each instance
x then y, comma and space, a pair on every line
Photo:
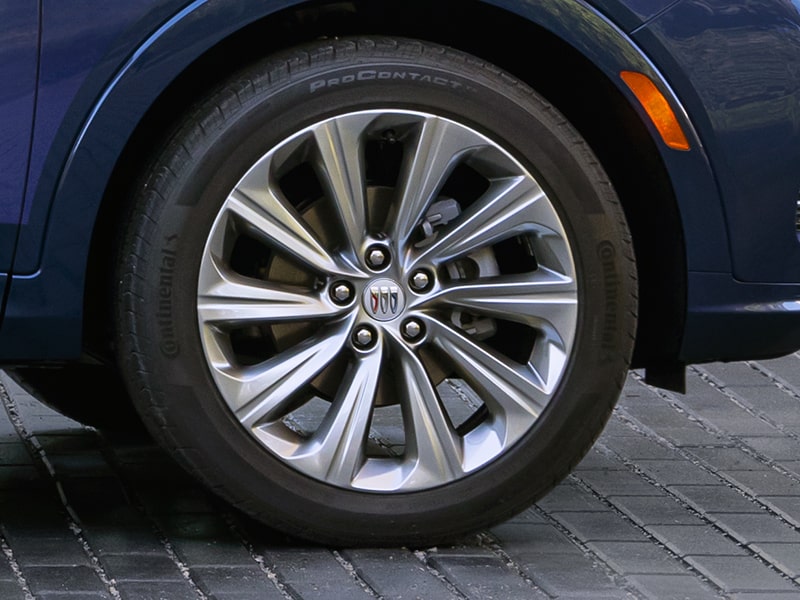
341, 170
544, 299
436, 151
227, 297
392, 357
514, 393
432, 444
272, 219
507, 208
263, 392
337, 449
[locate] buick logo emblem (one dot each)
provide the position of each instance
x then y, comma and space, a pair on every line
384, 300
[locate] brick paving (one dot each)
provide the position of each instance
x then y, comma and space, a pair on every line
694, 496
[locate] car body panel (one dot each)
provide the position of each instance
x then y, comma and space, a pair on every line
107, 124
630, 14
19, 36
101, 78
747, 113
79, 57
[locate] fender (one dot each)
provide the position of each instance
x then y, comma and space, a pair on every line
47, 291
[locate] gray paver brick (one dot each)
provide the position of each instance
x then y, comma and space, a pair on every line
483, 576
6, 572
576, 577
689, 435
750, 528
785, 556
673, 587
11, 590
719, 498
677, 472
156, 590
639, 447
597, 461
696, 540
397, 574
74, 596
255, 595
741, 573
227, 580
49, 551
775, 404
768, 483
615, 428
785, 367
131, 533
534, 539
141, 567
313, 573
571, 498
528, 515
14, 453
62, 579
36, 528
619, 483
638, 557
737, 374
600, 527
658, 510
727, 459
781, 448
765, 596
212, 551
787, 506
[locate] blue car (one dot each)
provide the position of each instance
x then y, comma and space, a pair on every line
374, 270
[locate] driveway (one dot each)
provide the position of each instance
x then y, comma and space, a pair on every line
694, 496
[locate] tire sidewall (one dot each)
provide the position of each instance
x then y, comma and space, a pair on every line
182, 405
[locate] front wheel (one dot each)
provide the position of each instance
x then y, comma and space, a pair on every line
375, 291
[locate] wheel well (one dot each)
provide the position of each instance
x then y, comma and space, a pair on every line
571, 83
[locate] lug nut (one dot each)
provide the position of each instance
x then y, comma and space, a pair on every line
377, 257
412, 330
420, 281
341, 292
363, 338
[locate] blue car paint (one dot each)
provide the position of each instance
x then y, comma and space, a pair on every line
19, 33
748, 116
96, 93
56, 267
630, 14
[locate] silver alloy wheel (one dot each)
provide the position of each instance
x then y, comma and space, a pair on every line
386, 385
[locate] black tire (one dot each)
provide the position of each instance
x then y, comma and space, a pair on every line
187, 385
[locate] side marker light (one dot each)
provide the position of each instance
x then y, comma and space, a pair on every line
657, 108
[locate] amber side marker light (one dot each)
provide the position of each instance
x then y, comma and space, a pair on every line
657, 108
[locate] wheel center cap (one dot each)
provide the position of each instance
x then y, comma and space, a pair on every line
384, 299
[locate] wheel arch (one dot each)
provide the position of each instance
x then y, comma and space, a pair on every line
611, 121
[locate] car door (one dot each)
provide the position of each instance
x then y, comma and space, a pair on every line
19, 35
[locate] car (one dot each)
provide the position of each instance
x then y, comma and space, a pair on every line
376, 271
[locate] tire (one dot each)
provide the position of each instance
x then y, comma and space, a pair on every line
377, 292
